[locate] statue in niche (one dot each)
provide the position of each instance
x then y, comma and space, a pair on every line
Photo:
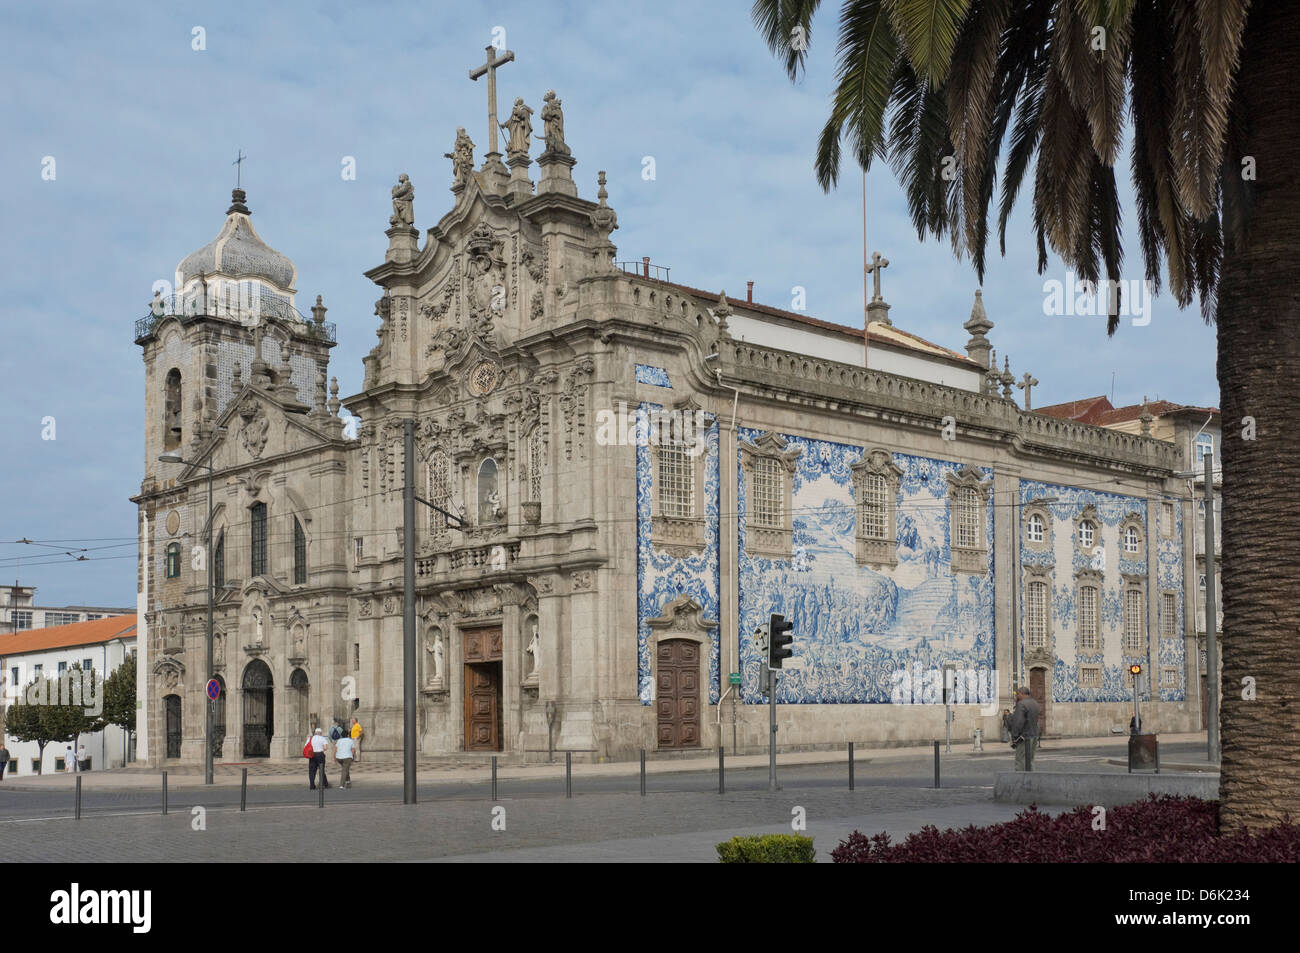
462, 157
535, 650
520, 128
218, 648
489, 500
403, 202
299, 642
258, 634
435, 649
553, 117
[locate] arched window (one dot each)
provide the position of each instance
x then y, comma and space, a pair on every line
1036, 530
1087, 534
489, 499
219, 563
1132, 540
257, 519
437, 486
172, 411
299, 554
173, 560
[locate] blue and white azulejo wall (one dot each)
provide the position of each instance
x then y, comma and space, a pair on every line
854, 626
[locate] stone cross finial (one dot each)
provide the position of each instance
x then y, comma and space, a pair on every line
1007, 379
1146, 417
239, 165
1027, 383
873, 269
490, 68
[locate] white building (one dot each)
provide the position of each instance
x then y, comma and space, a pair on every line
20, 613
101, 645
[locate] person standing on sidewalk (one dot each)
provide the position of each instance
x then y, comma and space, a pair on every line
318, 745
1024, 729
356, 740
343, 755
4, 760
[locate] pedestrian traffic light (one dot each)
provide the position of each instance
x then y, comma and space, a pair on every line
778, 640
1135, 670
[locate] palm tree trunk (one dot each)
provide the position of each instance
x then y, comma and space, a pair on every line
1259, 377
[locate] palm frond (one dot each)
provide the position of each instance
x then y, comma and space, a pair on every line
1200, 116
929, 31
1221, 25
776, 21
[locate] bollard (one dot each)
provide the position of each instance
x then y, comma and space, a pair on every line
78, 815
722, 771
643, 772
850, 765
164, 792
320, 791
568, 774
936, 764
494, 777
243, 790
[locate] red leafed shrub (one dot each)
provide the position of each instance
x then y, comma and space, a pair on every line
1162, 829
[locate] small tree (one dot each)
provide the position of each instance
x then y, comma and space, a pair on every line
119, 699
40, 716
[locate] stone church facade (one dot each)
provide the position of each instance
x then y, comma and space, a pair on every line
628, 476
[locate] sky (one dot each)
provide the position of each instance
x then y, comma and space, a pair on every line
143, 129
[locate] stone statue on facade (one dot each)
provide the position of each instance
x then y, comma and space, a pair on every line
462, 157
535, 650
520, 128
553, 117
403, 202
257, 627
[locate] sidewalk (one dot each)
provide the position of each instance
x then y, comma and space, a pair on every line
459, 768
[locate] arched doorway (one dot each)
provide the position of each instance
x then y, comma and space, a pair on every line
1038, 689
298, 693
172, 709
259, 712
219, 720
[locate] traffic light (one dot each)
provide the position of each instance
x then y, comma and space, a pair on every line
778, 640
1135, 670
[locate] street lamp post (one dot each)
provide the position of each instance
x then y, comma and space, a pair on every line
208, 704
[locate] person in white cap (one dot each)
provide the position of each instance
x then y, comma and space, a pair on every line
319, 743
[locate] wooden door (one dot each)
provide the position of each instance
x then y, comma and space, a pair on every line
1038, 689
483, 706
173, 710
677, 694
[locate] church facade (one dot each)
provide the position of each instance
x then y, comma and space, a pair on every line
628, 476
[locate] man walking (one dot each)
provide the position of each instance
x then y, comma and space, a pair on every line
4, 760
318, 745
343, 755
1024, 729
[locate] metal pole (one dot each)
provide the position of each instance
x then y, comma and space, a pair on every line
320, 789
243, 790
568, 774
494, 777
1213, 752
936, 763
408, 613
850, 765
722, 771
771, 734
643, 772
78, 812
209, 704
164, 792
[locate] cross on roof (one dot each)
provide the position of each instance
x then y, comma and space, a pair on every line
490, 68
238, 164
873, 269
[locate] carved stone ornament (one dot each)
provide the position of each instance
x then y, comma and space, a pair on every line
682, 616
255, 428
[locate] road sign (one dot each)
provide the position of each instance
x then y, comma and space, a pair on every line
214, 689
733, 678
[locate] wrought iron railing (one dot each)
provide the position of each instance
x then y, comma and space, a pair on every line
190, 307
643, 269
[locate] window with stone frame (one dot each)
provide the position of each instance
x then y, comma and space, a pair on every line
437, 488
1087, 534
768, 468
1090, 676
1035, 528
1037, 521
299, 554
1036, 615
173, 560
257, 554
219, 562
1166, 519
1131, 536
676, 483
876, 480
968, 492
1168, 615
1134, 622
678, 448
1089, 614
1169, 677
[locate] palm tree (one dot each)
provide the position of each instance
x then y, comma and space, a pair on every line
939, 88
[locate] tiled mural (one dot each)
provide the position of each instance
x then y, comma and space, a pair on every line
649, 374
1061, 557
662, 577
854, 627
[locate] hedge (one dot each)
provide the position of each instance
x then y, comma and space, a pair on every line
767, 849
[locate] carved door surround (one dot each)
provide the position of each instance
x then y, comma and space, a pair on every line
483, 688
682, 620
